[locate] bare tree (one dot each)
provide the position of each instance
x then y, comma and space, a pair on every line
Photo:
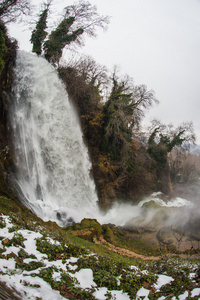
143, 100
11, 10
182, 136
184, 166
90, 71
85, 80
86, 17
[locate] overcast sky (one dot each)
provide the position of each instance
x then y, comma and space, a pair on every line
157, 42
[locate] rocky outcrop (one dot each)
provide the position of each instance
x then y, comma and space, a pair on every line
172, 229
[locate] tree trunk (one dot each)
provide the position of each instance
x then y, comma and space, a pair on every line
165, 183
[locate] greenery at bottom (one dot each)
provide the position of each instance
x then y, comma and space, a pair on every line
110, 270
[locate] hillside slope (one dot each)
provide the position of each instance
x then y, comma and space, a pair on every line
41, 260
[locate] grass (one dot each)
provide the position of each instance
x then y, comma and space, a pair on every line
110, 269
22, 217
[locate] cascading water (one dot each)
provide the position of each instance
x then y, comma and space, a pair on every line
52, 160
52, 163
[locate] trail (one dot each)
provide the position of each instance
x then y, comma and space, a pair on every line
123, 251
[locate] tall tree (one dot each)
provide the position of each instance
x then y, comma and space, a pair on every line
59, 38
77, 21
39, 34
122, 112
85, 80
86, 17
162, 141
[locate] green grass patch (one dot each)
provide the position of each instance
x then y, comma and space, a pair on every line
110, 269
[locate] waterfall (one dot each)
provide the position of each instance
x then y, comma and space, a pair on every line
52, 163
52, 166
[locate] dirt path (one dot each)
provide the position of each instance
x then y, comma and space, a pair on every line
122, 251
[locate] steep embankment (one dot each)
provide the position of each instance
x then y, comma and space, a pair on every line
6, 76
42, 260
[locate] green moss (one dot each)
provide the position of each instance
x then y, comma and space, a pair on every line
23, 217
138, 245
8, 206
110, 269
115, 236
108, 234
89, 223
151, 205
3, 50
93, 226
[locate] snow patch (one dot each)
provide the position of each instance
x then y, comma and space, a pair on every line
162, 280
195, 292
85, 278
143, 293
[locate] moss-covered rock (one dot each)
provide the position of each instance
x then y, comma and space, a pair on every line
87, 229
108, 234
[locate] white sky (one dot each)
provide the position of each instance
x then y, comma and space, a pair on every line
157, 42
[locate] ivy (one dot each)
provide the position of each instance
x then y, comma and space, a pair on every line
3, 48
59, 38
39, 34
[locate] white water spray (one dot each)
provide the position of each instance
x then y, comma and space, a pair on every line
52, 163
52, 160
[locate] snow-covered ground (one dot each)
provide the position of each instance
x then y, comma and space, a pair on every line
23, 267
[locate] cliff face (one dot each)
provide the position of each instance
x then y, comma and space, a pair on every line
5, 88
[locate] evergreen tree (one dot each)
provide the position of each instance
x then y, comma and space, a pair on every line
39, 34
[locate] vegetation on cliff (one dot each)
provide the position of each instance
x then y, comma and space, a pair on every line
7, 59
127, 164
77, 20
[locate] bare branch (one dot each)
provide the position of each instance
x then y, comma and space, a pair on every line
86, 17
11, 10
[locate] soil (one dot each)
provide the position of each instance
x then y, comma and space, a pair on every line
165, 240
122, 251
